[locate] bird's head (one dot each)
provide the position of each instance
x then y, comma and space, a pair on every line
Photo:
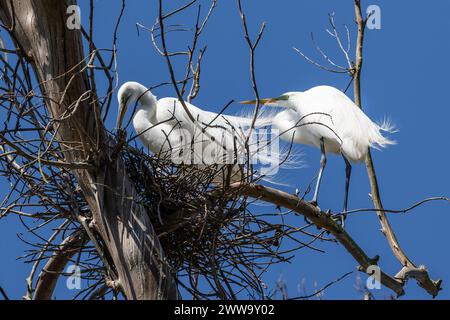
132, 93
284, 101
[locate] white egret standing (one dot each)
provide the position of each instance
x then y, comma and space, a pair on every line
326, 118
163, 126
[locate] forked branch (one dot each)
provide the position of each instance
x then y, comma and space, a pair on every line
322, 220
409, 270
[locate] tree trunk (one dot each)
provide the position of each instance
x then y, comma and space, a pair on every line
39, 30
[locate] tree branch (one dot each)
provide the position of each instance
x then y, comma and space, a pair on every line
56, 55
320, 219
432, 287
49, 276
252, 45
3, 293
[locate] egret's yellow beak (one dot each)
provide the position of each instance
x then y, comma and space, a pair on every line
266, 100
121, 115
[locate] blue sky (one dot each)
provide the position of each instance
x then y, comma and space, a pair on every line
405, 77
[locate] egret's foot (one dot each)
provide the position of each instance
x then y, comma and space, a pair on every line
339, 219
313, 203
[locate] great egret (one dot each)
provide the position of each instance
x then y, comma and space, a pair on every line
326, 118
164, 127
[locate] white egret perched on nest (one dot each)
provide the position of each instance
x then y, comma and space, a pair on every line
326, 118
164, 127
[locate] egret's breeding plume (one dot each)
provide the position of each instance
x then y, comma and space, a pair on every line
326, 118
165, 128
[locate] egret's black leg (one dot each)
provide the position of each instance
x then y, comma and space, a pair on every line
348, 172
323, 162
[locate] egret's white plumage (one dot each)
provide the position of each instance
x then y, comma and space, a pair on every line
164, 127
326, 118
326, 112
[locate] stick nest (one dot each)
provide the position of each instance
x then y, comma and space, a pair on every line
206, 230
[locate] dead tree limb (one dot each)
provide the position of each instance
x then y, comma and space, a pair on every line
321, 220
56, 55
55, 266
3, 293
409, 268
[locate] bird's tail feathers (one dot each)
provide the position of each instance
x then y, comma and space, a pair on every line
377, 140
386, 125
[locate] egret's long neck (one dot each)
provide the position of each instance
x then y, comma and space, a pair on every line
147, 107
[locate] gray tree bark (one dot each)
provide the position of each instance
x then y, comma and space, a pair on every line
38, 29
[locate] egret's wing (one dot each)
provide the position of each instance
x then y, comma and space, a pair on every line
212, 136
319, 115
222, 137
342, 121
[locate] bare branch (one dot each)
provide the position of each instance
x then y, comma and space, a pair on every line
3, 293
321, 290
55, 266
252, 45
322, 220
423, 278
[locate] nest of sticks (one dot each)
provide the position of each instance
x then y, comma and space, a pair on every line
207, 231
